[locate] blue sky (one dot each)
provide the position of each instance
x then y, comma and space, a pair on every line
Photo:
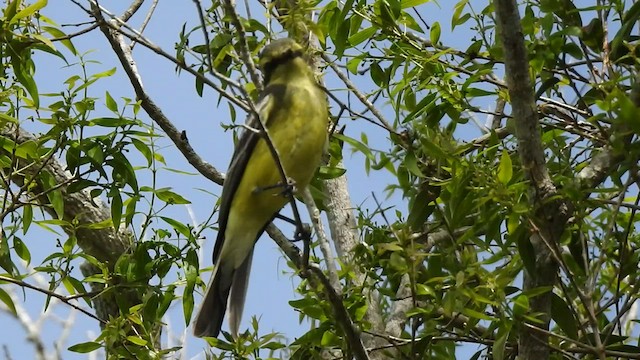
272, 284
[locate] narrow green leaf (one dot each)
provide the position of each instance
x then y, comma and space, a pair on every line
499, 346
520, 306
12, 9
57, 33
363, 148
5, 255
411, 3
21, 250
171, 197
563, 316
111, 104
104, 74
55, 196
528, 255
111, 122
86, 347
27, 217
29, 10
116, 207
435, 33
477, 314
458, 18
137, 340
330, 172
178, 226
505, 169
191, 275
6, 299
5, 118
25, 78
361, 36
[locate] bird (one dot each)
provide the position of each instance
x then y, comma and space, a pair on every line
293, 109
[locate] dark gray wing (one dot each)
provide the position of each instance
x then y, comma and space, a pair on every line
239, 160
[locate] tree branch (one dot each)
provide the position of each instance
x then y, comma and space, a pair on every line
179, 138
316, 276
551, 211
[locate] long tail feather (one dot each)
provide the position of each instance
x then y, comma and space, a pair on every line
214, 305
239, 294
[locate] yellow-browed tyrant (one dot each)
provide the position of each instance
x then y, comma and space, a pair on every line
293, 110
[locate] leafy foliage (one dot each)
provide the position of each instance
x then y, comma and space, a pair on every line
445, 262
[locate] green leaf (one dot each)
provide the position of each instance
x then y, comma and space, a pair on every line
562, 314
505, 169
12, 9
25, 78
200, 82
477, 314
111, 104
104, 74
130, 209
421, 208
377, 75
27, 217
167, 298
330, 172
628, 22
273, 346
123, 171
352, 64
458, 18
411, 163
178, 227
412, 3
21, 250
116, 207
361, 36
330, 339
6, 299
6, 118
520, 306
29, 10
361, 147
500, 345
55, 196
111, 122
137, 340
5, 255
191, 275
86, 347
435, 32
171, 197
57, 33
527, 253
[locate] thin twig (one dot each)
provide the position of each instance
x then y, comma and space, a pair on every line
179, 138
64, 299
363, 99
146, 20
323, 241
133, 8
245, 55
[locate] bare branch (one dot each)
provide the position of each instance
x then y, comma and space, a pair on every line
133, 8
65, 299
315, 275
179, 138
323, 241
552, 212
245, 55
363, 99
146, 20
